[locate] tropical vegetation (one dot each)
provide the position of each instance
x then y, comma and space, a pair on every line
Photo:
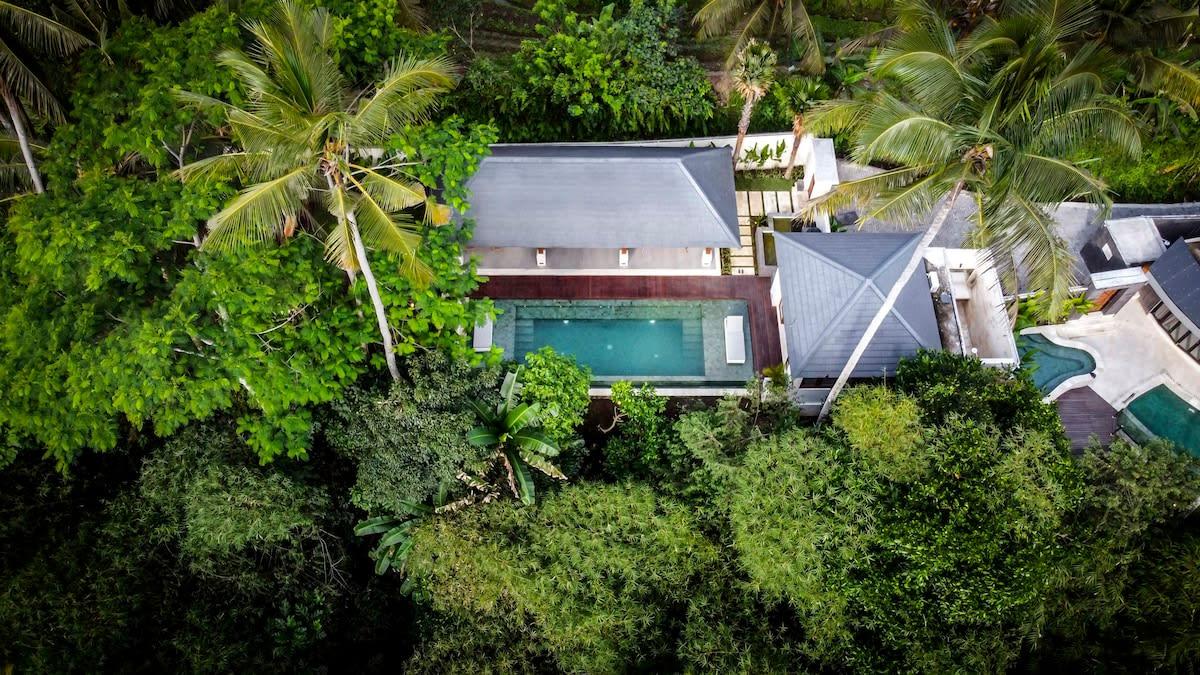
244, 427
996, 116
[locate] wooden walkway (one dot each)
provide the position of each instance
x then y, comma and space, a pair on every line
756, 291
1086, 415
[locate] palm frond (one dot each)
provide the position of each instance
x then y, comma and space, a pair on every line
800, 26
250, 167
892, 132
406, 94
715, 17
1050, 180
1173, 79
1027, 232
339, 241
831, 117
910, 205
1078, 128
26, 84
256, 214
40, 32
391, 193
858, 193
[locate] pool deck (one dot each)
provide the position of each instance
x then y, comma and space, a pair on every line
1085, 415
756, 291
1133, 355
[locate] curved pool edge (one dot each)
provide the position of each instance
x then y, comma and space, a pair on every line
1075, 381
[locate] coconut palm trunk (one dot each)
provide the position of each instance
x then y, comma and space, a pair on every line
890, 301
743, 127
385, 331
16, 116
797, 134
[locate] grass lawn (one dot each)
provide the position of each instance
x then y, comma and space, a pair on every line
766, 181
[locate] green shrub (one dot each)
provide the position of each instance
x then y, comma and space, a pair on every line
945, 384
1168, 169
591, 579
884, 426
637, 448
600, 78
407, 442
559, 385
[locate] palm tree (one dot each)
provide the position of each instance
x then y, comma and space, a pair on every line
513, 430
1153, 39
995, 114
801, 94
748, 19
24, 33
752, 75
304, 144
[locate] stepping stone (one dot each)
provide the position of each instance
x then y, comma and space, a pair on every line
743, 204
770, 205
756, 204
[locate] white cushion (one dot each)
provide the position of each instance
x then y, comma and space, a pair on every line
735, 339
482, 340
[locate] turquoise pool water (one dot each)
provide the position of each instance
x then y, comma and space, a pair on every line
1162, 413
1051, 364
647, 347
660, 342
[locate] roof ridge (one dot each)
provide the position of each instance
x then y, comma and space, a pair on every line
906, 248
820, 255
712, 208
834, 320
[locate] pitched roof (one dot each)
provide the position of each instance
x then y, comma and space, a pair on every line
833, 284
1176, 278
604, 196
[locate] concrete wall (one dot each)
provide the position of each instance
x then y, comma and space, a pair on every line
596, 261
817, 158
979, 304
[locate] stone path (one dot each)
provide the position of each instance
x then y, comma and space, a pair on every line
752, 203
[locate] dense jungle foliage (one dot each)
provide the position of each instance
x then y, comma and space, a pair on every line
206, 464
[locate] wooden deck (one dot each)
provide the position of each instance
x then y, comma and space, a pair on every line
1086, 415
756, 291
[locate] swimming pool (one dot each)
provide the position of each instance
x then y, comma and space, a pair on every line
656, 341
614, 347
1050, 363
1163, 413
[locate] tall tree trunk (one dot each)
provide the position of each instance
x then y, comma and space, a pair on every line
797, 134
17, 117
890, 301
743, 127
360, 251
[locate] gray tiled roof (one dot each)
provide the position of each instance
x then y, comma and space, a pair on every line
832, 285
1176, 275
604, 196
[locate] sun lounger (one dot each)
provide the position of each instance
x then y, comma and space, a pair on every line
482, 339
735, 339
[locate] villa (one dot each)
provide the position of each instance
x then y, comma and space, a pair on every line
602, 209
614, 253
1132, 363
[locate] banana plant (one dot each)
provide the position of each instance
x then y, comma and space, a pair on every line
514, 430
393, 548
